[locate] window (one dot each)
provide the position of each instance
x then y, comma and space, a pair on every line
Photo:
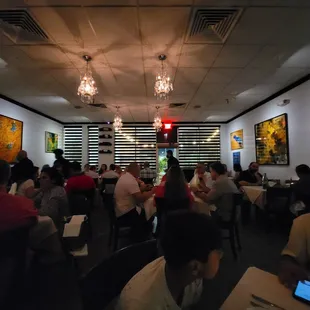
135, 144
93, 147
73, 137
199, 144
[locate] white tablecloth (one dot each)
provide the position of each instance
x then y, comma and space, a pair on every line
256, 194
42, 230
262, 284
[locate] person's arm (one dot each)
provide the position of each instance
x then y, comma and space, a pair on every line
294, 255
211, 196
141, 197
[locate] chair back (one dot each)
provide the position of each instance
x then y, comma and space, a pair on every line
148, 181
81, 201
14, 246
106, 280
165, 206
278, 198
109, 204
108, 185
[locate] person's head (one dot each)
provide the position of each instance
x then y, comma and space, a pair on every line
191, 245
200, 168
146, 165
93, 168
112, 167
58, 153
75, 168
86, 167
5, 173
253, 167
302, 170
134, 169
35, 174
119, 170
216, 170
49, 178
21, 155
237, 168
169, 154
104, 167
45, 166
175, 185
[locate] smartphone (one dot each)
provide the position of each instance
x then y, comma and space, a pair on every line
302, 292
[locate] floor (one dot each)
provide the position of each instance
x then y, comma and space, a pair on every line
56, 287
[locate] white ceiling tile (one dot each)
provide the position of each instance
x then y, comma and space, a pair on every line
191, 76
296, 3
163, 25
124, 56
235, 89
236, 55
253, 75
115, 25
151, 53
287, 75
221, 75
221, 2
79, 2
165, 2
199, 55
47, 56
300, 59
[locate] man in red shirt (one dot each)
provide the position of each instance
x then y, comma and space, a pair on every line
15, 211
78, 180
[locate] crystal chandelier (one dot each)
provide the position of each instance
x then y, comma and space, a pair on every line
117, 123
87, 89
163, 85
157, 121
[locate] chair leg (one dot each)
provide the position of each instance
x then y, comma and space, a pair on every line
232, 243
238, 237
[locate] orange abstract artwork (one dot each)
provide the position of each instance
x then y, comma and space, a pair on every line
11, 133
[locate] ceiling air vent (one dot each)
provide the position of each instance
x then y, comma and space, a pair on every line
21, 28
212, 25
98, 105
176, 105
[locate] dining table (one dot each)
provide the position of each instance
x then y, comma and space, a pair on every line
256, 195
265, 286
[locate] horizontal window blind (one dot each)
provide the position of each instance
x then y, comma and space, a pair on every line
199, 144
73, 138
135, 144
93, 145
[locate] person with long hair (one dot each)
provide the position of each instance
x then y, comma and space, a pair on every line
175, 186
51, 199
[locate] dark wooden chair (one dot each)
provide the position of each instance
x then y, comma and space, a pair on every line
232, 226
117, 231
14, 246
165, 206
148, 181
278, 206
106, 280
108, 185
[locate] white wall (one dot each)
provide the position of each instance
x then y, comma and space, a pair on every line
34, 127
298, 112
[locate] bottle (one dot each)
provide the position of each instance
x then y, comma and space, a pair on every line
265, 181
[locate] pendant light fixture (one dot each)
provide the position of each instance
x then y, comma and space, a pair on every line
118, 122
87, 89
157, 121
163, 85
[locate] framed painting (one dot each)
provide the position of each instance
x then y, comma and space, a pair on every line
236, 140
271, 141
236, 158
51, 142
11, 138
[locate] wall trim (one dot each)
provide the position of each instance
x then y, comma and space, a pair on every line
21, 105
275, 95
147, 123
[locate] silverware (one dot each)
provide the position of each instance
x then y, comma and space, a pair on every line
266, 302
254, 304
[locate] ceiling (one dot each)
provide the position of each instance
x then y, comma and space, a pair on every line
268, 49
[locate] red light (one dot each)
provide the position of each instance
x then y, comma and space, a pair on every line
167, 126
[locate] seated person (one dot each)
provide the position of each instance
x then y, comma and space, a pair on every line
103, 169
295, 260
109, 174
251, 176
190, 243
175, 186
15, 212
51, 199
201, 180
119, 170
301, 188
127, 195
238, 171
78, 180
218, 194
147, 173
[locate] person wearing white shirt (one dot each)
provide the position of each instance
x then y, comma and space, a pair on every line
110, 174
202, 179
191, 245
127, 195
91, 171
